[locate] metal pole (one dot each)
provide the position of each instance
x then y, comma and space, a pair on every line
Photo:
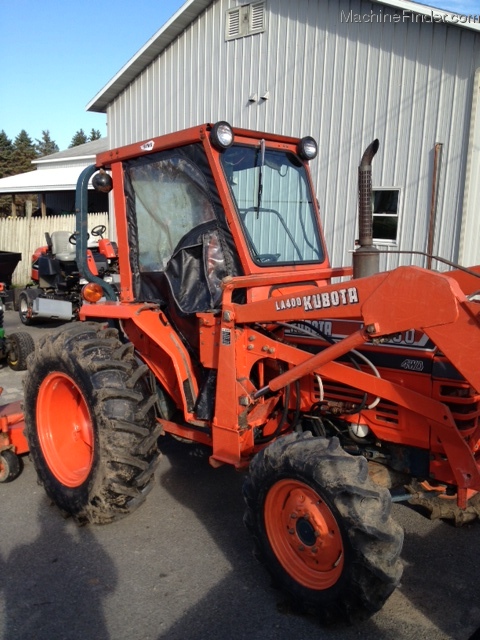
437, 160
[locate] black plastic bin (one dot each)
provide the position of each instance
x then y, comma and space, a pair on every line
8, 264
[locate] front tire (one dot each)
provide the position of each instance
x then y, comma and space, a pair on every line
322, 528
90, 423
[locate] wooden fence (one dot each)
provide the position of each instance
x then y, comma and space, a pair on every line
25, 235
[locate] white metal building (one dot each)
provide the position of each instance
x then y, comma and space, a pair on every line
346, 72
55, 177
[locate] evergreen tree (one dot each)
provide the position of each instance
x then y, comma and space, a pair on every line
78, 139
6, 151
23, 153
6, 169
94, 135
46, 145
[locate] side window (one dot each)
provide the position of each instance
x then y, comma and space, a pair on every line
385, 215
170, 200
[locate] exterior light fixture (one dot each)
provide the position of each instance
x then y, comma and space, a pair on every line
307, 148
221, 135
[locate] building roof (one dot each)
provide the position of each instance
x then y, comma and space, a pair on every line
157, 43
85, 151
50, 175
193, 8
58, 179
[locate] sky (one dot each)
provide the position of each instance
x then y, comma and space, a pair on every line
55, 56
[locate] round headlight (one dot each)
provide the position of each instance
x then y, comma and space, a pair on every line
222, 135
307, 148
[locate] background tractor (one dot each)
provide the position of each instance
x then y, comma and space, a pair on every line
54, 293
336, 392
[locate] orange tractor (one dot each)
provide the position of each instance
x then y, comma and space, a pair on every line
338, 390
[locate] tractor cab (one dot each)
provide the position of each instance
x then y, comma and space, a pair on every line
210, 203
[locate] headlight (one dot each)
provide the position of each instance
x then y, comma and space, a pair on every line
222, 135
307, 148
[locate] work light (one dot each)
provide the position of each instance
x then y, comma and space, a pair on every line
222, 135
307, 148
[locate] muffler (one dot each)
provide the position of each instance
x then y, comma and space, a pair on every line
366, 259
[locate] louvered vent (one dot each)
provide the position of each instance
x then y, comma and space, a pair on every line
257, 17
233, 26
245, 20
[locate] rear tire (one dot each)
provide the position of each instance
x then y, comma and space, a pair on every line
19, 346
90, 423
322, 528
10, 466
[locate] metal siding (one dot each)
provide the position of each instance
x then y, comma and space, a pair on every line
409, 84
470, 231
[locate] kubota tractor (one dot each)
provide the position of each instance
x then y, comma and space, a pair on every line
56, 282
336, 392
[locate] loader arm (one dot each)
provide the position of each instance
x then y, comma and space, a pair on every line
387, 303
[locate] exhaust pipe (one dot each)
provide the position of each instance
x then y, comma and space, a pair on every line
366, 259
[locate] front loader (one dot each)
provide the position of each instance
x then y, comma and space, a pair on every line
335, 393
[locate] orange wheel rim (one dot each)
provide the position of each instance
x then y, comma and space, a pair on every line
304, 534
65, 429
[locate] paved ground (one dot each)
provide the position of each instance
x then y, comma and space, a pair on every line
181, 566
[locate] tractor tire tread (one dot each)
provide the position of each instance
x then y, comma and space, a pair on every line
375, 540
23, 346
127, 451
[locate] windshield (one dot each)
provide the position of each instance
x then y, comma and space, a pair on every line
274, 204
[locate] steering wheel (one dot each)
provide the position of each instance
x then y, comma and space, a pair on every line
99, 230
73, 238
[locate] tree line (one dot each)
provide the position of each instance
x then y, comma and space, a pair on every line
16, 155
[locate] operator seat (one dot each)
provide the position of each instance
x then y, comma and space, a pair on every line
62, 249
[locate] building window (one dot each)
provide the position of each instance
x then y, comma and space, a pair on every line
245, 20
385, 215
